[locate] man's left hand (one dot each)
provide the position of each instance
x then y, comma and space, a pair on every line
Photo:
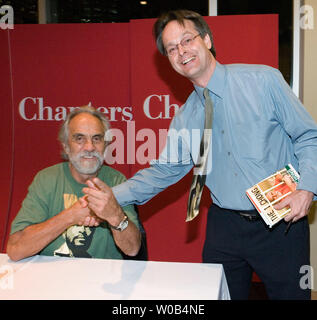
299, 201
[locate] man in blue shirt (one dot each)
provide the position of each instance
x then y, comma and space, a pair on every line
259, 126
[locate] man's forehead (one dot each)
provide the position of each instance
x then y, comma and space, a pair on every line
175, 29
85, 121
181, 25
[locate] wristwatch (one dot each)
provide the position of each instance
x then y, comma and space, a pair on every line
122, 225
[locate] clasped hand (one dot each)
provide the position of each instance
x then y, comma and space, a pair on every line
101, 201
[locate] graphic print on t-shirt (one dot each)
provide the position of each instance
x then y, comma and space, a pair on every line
77, 238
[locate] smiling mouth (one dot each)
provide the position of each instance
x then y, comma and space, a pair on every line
88, 157
188, 60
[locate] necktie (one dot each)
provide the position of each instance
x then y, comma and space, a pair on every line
199, 177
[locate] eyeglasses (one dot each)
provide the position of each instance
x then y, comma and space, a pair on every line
82, 139
185, 43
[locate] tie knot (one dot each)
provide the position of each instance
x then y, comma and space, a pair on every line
206, 93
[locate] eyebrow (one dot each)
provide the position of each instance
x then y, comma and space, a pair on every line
183, 35
77, 134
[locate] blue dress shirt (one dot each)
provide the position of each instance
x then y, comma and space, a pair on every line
259, 126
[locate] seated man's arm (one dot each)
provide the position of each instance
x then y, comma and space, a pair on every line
102, 202
128, 240
32, 239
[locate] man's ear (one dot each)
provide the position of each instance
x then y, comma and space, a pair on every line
65, 148
207, 40
109, 138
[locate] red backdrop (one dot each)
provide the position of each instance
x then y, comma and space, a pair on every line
46, 69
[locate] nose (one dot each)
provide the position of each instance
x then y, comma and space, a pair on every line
181, 49
89, 146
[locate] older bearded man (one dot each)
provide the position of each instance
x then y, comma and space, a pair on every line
72, 194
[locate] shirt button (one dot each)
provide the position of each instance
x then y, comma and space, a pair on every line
222, 131
229, 153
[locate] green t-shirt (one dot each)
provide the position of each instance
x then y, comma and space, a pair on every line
53, 190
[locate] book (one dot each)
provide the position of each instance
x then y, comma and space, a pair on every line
268, 192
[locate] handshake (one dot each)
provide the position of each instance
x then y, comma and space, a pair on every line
97, 205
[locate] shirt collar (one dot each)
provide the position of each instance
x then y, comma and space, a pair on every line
216, 83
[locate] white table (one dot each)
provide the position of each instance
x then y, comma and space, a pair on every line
50, 278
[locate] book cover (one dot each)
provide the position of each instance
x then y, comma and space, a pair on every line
268, 192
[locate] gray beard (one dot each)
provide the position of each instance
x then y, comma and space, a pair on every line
85, 169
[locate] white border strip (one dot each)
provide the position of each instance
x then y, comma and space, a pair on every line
213, 7
296, 48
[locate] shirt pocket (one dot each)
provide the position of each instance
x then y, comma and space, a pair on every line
250, 139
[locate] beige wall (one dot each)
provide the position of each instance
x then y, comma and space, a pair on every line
310, 101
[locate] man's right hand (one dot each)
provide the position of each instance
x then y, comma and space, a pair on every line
82, 215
